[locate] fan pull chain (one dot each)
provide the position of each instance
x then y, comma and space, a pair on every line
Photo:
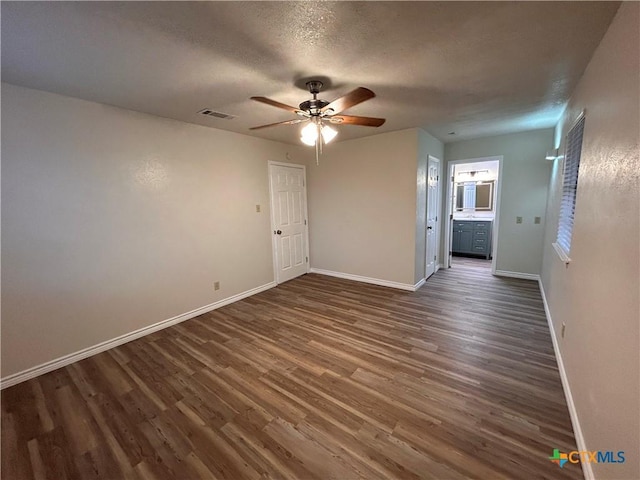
318, 142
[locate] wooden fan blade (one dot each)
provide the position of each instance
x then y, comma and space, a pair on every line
273, 103
286, 122
352, 98
353, 120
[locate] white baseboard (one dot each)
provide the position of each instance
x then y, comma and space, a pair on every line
374, 281
526, 276
587, 470
439, 266
36, 371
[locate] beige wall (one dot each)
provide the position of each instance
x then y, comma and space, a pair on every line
525, 179
114, 220
596, 296
427, 145
362, 207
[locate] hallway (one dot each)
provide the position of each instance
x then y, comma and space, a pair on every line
471, 263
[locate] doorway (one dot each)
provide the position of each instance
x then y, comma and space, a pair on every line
473, 213
432, 223
290, 238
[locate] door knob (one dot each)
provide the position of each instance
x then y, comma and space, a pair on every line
278, 232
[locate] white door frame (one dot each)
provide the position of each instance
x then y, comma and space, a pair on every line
496, 218
274, 249
438, 215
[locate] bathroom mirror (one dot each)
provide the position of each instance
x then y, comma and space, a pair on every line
474, 196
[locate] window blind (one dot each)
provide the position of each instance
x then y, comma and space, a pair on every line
570, 185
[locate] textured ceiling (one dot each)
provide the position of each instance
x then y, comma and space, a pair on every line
476, 68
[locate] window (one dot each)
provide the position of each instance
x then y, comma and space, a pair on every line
569, 188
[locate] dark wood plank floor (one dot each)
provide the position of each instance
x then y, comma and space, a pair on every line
318, 378
470, 262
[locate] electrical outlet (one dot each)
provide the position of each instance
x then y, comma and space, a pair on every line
216, 285
537, 220
257, 208
564, 327
518, 219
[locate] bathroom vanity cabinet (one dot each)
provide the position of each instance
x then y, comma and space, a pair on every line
472, 237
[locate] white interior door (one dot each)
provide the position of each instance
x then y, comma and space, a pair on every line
451, 205
433, 180
289, 220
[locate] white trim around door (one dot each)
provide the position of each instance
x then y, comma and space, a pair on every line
448, 238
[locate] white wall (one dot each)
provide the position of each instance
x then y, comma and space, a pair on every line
114, 220
362, 207
525, 179
597, 295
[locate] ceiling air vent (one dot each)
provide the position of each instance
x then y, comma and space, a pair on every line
212, 113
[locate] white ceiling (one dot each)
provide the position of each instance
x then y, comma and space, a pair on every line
476, 68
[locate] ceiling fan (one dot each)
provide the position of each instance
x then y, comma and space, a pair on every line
319, 113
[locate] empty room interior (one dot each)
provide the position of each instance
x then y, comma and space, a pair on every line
320, 240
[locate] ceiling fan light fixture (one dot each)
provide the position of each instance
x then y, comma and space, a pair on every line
319, 113
309, 134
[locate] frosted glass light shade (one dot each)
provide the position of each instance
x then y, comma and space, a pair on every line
328, 133
309, 134
308, 140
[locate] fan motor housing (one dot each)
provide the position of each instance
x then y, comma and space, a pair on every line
313, 106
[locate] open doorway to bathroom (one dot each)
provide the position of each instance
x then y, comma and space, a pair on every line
473, 212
